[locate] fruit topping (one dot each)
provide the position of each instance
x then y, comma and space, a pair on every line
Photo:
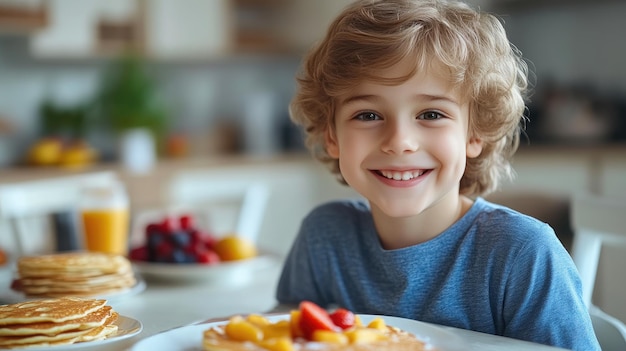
343, 318
308, 323
314, 318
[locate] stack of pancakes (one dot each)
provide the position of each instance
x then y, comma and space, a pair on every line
52, 322
73, 274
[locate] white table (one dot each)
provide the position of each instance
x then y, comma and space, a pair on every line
164, 306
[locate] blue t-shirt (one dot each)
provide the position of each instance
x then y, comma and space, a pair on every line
495, 271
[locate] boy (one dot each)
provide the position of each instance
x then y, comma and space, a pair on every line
417, 105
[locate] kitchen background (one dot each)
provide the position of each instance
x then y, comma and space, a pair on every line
217, 75
213, 63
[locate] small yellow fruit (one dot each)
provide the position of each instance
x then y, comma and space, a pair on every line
330, 337
258, 320
45, 152
377, 323
365, 335
77, 155
280, 329
241, 330
231, 248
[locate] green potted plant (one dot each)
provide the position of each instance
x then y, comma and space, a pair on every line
129, 106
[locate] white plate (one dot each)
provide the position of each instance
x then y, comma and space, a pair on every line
231, 271
11, 296
126, 328
189, 338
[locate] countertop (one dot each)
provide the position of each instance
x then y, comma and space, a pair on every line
164, 306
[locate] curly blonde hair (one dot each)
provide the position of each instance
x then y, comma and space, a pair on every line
371, 35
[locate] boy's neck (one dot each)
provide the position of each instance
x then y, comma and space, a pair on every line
400, 232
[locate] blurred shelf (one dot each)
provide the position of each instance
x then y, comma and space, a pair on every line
16, 19
159, 30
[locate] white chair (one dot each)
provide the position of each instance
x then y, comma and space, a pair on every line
598, 221
23, 205
221, 202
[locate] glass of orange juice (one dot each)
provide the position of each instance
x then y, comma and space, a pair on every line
104, 212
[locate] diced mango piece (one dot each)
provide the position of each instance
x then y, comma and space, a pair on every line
258, 320
296, 331
277, 344
357, 321
280, 329
364, 335
330, 337
241, 330
377, 323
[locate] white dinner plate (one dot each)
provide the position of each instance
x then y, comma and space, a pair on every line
223, 272
11, 296
189, 338
126, 328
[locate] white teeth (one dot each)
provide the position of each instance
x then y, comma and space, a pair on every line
401, 175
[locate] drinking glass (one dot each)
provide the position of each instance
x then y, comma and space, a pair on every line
104, 213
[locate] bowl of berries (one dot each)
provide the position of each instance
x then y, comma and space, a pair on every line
174, 247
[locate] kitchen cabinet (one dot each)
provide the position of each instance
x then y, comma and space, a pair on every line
161, 29
178, 29
74, 27
187, 28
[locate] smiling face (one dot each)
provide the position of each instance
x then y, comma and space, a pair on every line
404, 147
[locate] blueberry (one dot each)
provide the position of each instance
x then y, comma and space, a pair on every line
180, 239
179, 256
155, 239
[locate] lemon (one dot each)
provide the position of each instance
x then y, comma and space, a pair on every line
46, 151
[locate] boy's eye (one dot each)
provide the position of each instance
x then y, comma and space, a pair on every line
367, 116
430, 115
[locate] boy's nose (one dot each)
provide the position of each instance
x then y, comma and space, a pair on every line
400, 138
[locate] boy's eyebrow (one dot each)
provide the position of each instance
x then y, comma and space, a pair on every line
351, 99
426, 97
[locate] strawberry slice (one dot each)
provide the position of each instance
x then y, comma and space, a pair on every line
343, 318
313, 318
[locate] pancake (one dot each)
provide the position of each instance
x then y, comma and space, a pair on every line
101, 332
87, 263
91, 320
85, 288
48, 310
80, 274
38, 339
54, 322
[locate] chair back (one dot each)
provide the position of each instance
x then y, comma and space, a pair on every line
22, 202
598, 221
230, 201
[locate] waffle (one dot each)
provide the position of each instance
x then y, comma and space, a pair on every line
53, 322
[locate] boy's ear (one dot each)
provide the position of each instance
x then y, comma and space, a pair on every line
330, 139
474, 147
